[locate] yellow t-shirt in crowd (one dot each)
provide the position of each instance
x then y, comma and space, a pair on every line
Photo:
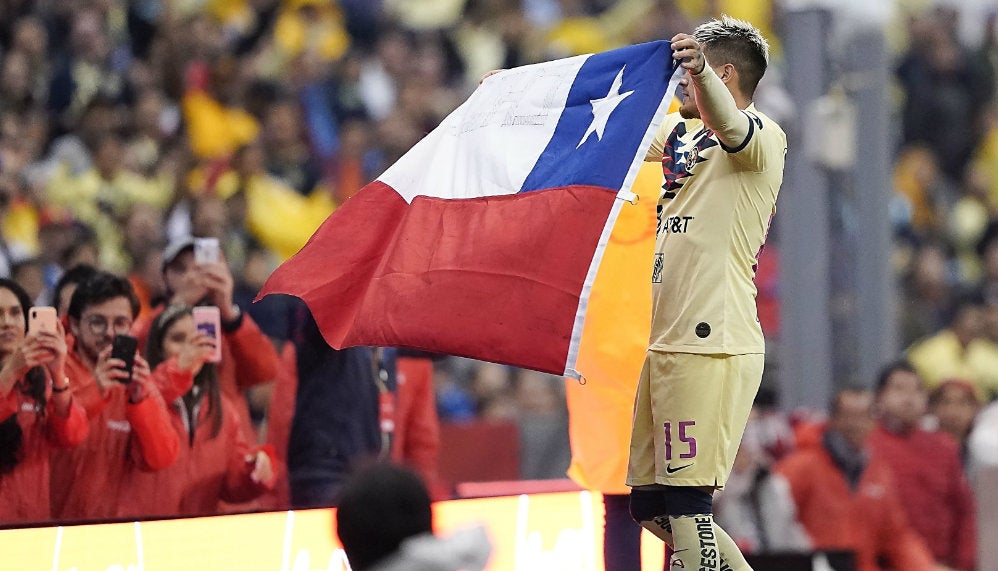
713, 215
941, 357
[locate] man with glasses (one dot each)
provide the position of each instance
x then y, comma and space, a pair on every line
130, 427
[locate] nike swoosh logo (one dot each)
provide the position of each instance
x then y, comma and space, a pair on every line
671, 470
676, 561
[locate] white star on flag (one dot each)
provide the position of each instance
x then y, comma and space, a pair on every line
604, 106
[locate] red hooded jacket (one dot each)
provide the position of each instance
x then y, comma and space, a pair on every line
24, 492
88, 480
416, 442
210, 468
937, 496
248, 359
869, 520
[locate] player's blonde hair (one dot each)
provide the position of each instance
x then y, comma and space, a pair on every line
734, 41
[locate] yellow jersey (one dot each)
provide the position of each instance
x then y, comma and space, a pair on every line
713, 216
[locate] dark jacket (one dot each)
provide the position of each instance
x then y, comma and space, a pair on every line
336, 421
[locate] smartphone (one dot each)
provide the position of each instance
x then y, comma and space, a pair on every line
123, 347
208, 320
42, 319
206, 251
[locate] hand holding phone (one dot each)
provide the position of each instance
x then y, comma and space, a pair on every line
208, 320
42, 319
124, 347
206, 251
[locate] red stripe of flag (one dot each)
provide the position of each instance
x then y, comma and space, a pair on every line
494, 278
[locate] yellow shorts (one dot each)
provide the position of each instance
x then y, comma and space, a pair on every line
689, 415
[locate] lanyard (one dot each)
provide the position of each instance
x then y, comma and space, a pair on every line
386, 401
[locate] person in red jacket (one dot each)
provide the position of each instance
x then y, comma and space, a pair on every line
216, 462
37, 411
416, 440
248, 357
926, 467
846, 497
129, 426
280, 411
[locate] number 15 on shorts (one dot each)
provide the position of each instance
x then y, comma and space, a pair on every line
684, 440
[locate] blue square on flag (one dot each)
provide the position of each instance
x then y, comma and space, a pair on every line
603, 120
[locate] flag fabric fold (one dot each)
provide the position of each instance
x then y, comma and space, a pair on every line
484, 239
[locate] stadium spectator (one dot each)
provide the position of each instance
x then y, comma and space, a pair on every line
130, 427
545, 451
217, 460
64, 289
926, 293
385, 523
954, 405
280, 409
336, 424
961, 350
37, 409
946, 87
983, 441
938, 499
847, 498
416, 442
248, 356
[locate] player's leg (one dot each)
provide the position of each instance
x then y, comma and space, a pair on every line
744, 375
660, 508
700, 404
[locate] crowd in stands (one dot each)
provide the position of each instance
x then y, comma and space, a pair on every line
127, 128
878, 477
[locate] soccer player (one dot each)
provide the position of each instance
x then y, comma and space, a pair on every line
722, 162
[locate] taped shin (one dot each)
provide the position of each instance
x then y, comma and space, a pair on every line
731, 556
695, 543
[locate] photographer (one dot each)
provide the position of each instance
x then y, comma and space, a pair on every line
248, 357
37, 412
216, 462
130, 428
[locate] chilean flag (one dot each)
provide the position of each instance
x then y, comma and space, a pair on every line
484, 239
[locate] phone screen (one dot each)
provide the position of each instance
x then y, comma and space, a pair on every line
207, 319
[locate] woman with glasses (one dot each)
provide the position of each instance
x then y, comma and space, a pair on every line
37, 411
215, 461
130, 429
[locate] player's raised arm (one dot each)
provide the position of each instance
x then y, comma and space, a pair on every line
715, 94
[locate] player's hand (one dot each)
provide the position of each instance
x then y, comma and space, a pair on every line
689, 52
489, 74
